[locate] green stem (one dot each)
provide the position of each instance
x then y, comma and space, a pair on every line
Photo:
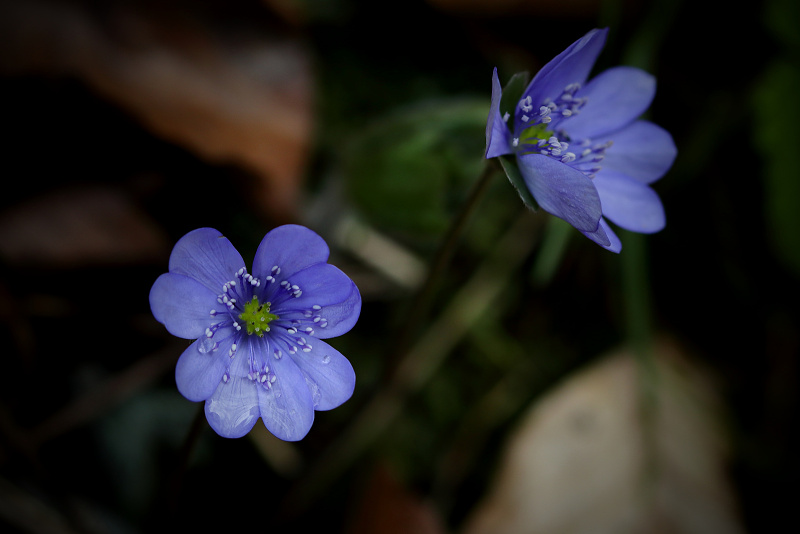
418, 310
636, 291
176, 480
420, 363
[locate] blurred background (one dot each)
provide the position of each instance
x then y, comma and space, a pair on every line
550, 387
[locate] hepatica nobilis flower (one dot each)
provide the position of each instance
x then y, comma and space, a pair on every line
581, 152
258, 349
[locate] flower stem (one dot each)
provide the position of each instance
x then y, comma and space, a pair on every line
176, 481
636, 291
420, 363
418, 310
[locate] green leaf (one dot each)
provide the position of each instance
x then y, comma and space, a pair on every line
777, 114
783, 18
409, 170
512, 93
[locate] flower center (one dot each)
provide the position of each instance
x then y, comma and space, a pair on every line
257, 317
540, 133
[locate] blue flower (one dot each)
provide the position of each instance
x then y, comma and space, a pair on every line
258, 349
581, 152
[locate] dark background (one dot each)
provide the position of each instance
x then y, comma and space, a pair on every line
127, 124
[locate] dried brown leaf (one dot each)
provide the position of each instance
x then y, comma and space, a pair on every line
229, 97
79, 227
591, 459
390, 508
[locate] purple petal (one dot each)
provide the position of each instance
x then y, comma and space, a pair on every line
183, 305
321, 284
561, 190
605, 237
615, 98
287, 407
233, 408
642, 151
200, 369
291, 248
329, 376
497, 134
629, 203
207, 256
570, 66
338, 319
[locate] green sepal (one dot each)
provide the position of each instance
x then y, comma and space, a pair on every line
512, 93
514, 175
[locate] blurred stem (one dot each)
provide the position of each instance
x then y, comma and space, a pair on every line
638, 306
636, 291
642, 52
462, 314
610, 14
525, 372
176, 482
418, 311
554, 243
643, 47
